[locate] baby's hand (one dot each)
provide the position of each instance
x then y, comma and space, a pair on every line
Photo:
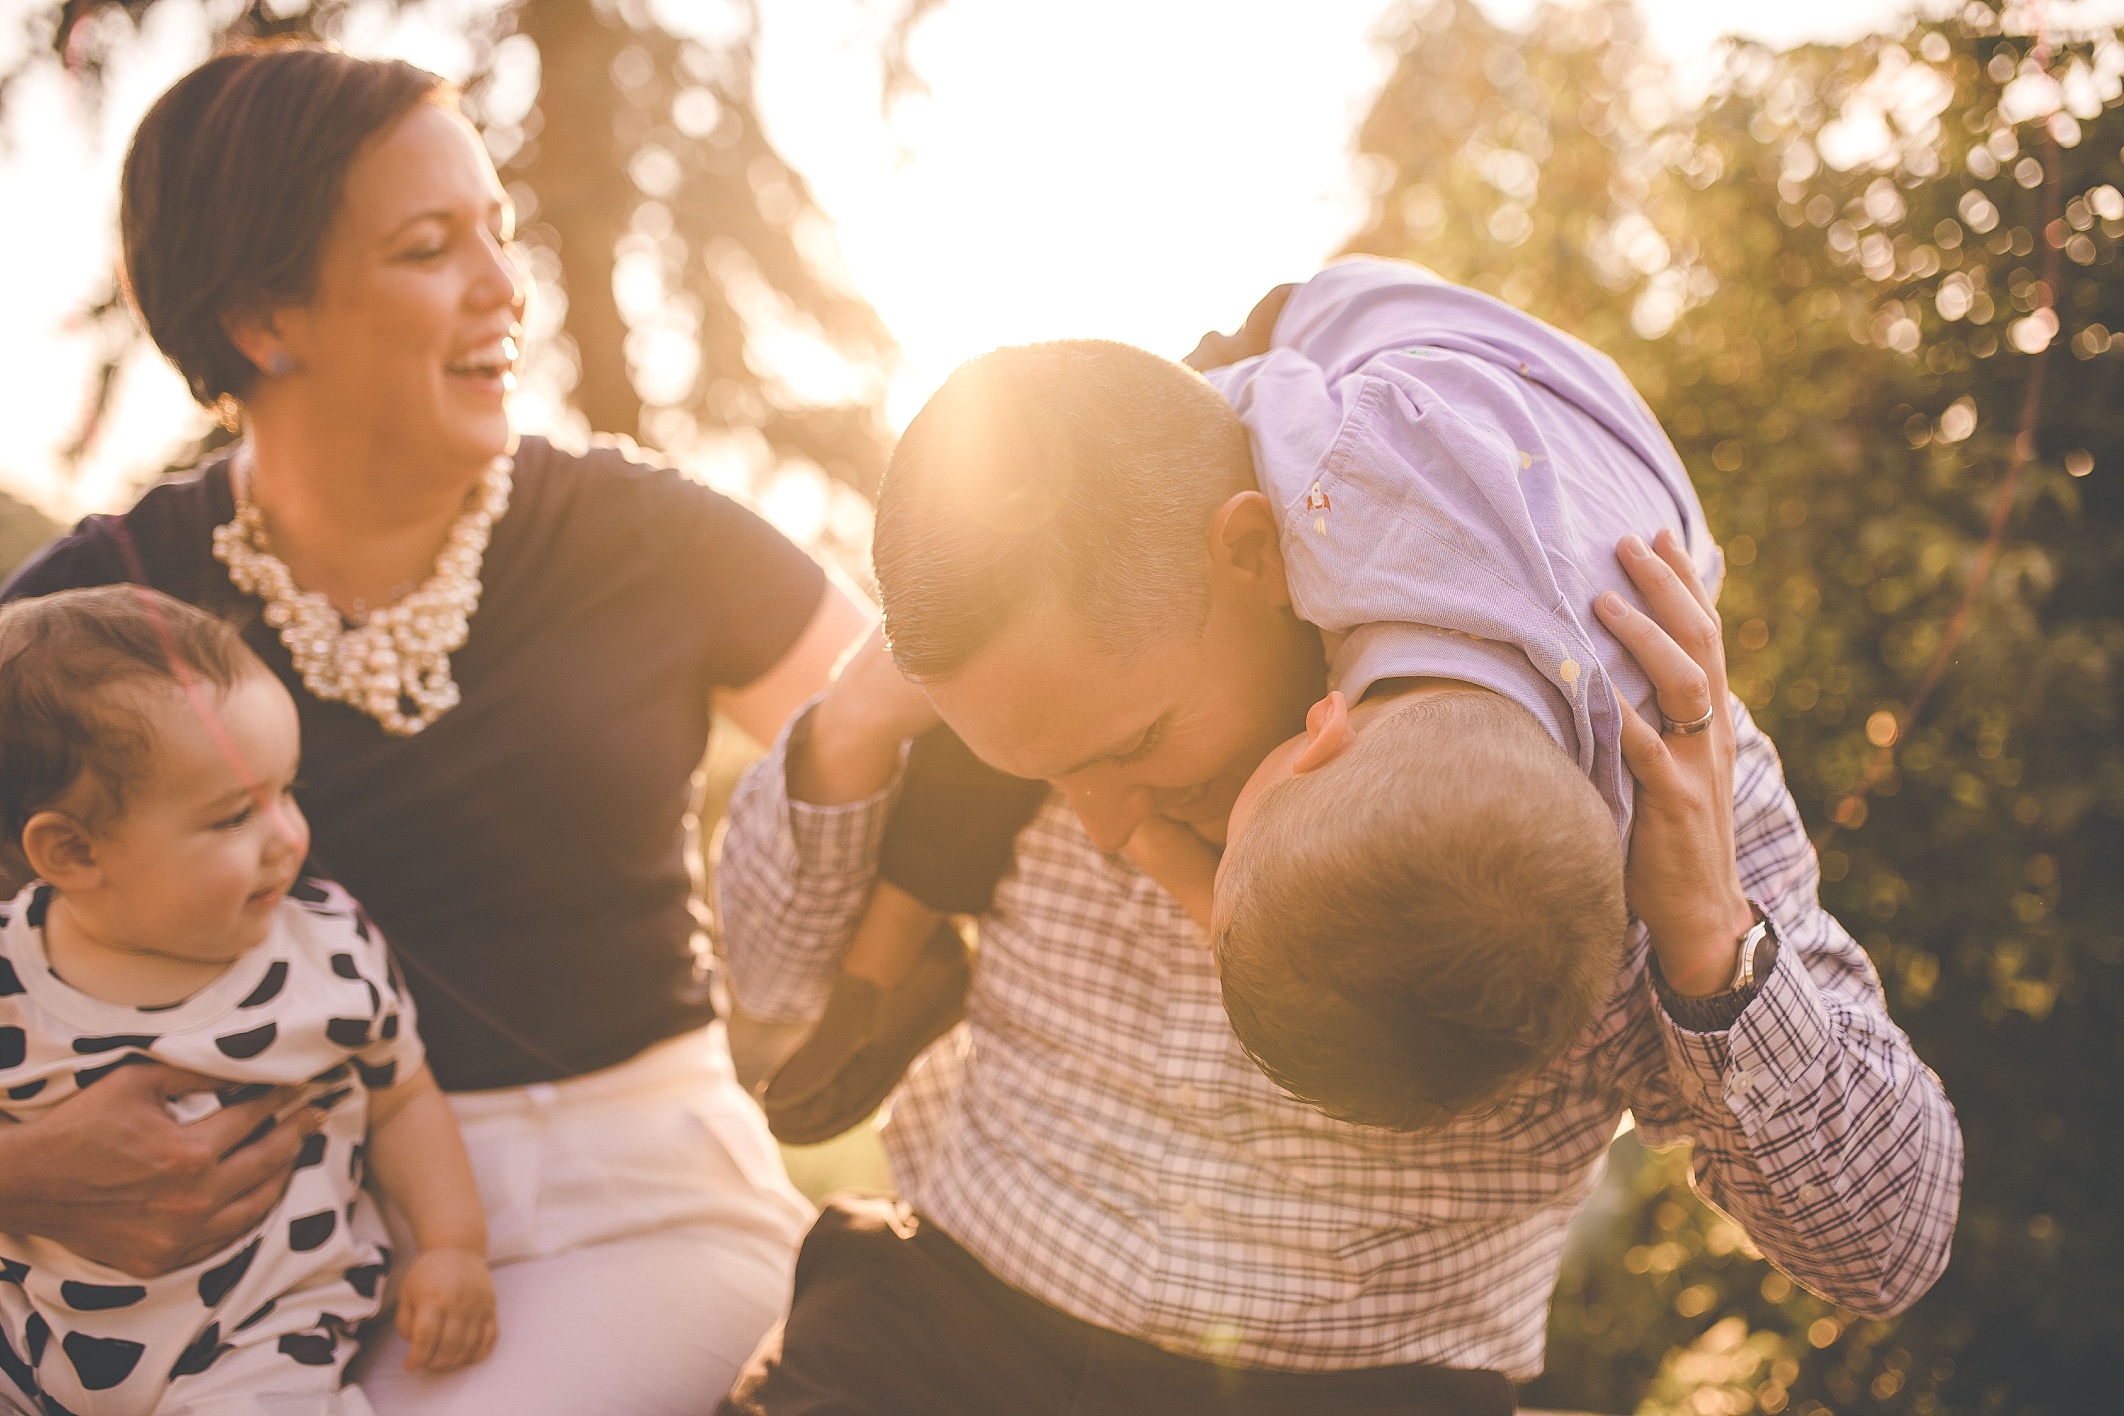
1179, 860
446, 1310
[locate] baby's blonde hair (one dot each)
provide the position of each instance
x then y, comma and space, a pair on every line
1410, 931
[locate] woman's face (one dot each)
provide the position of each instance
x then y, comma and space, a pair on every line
409, 346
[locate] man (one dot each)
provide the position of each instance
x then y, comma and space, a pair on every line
1111, 1209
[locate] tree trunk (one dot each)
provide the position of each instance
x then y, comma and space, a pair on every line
578, 166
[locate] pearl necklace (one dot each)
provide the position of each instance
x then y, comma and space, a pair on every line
395, 658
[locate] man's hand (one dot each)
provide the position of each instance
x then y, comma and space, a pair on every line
853, 748
111, 1176
1682, 881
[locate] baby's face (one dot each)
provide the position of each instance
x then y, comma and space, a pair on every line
1330, 728
210, 841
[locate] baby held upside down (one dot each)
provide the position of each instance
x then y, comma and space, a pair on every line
1393, 956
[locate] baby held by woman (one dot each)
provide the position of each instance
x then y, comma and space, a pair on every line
147, 769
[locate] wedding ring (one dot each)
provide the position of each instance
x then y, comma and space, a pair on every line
1688, 729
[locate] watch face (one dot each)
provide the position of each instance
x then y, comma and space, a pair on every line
1765, 957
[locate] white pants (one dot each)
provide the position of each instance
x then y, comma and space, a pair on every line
642, 1235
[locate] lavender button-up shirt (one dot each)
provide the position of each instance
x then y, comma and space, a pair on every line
1451, 477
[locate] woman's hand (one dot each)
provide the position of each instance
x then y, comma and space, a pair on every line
1683, 879
111, 1176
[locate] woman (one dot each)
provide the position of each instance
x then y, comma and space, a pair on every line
506, 658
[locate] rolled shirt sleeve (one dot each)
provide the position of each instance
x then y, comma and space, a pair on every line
792, 884
1814, 1123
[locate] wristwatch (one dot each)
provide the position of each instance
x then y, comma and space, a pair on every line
1748, 968
1757, 957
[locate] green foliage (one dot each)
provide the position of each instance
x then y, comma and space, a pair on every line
1828, 282
22, 530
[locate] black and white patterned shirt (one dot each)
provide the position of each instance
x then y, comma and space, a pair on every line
317, 1005
1097, 1138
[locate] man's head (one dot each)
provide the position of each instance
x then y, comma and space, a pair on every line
1420, 905
1074, 561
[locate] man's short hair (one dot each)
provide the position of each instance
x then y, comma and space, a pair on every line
1082, 474
60, 723
1411, 930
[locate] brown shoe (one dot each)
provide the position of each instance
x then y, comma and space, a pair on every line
864, 1043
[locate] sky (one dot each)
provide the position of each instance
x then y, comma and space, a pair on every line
1131, 169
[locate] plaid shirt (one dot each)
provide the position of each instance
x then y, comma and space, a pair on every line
1097, 1138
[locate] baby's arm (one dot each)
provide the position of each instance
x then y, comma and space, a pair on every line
417, 1158
1179, 860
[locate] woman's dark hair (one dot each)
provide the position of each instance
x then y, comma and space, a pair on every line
231, 183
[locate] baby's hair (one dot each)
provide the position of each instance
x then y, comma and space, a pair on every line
1410, 931
60, 723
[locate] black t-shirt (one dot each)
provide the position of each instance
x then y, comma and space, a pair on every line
525, 852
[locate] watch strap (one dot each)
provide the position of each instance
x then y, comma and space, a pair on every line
1721, 1011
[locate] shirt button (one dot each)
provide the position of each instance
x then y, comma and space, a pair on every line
1190, 1213
1187, 1096
1807, 1194
1742, 1080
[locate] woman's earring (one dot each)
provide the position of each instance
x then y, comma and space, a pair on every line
281, 364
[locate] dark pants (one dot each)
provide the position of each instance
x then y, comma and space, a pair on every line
891, 1318
954, 827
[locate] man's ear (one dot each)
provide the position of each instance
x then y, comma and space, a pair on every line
1246, 551
61, 851
1327, 734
